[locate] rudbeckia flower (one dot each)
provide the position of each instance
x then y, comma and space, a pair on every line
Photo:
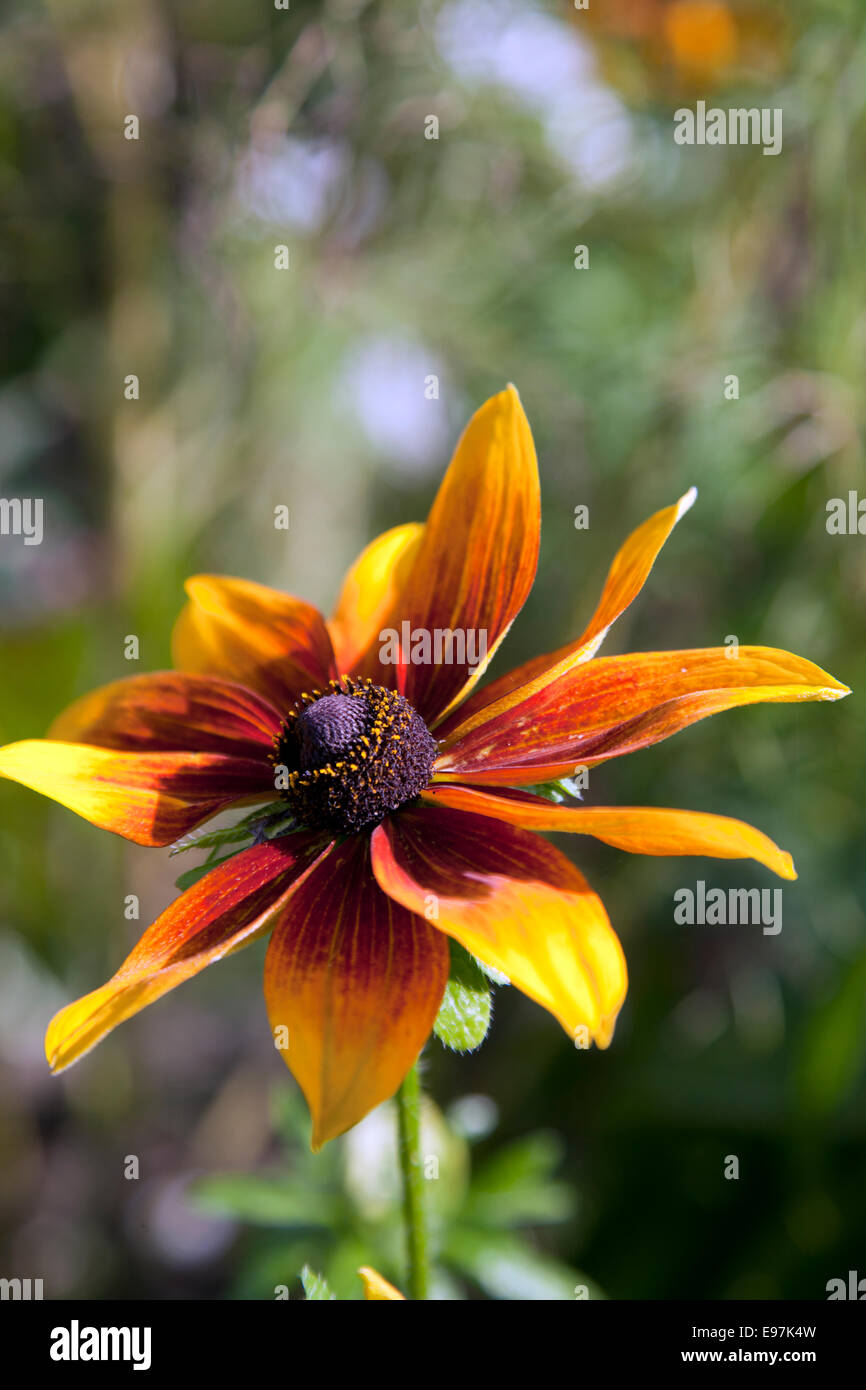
408, 783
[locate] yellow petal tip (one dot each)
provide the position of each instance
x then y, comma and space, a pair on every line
377, 1289
786, 867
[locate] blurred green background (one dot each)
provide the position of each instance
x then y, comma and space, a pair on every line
453, 257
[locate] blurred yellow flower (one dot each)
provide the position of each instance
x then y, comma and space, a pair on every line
377, 1289
691, 42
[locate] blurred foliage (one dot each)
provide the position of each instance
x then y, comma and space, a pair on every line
452, 257
342, 1209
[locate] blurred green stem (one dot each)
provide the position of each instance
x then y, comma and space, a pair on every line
409, 1126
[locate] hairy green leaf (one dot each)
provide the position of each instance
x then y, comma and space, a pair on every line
464, 1014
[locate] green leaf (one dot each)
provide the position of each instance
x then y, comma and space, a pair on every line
264, 1201
265, 823
315, 1285
834, 1044
270, 1262
516, 1187
191, 876
563, 789
464, 1014
508, 1268
491, 972
274, 823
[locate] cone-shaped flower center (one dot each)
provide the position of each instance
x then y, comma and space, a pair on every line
328, 728
353, 755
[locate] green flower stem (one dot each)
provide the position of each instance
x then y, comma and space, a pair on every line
409, 1127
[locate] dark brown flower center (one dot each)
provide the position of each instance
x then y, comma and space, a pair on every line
345, 758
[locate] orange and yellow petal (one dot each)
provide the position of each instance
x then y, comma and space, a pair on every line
149, 798
616, 705
377, 1289
637, 829
515, 902
626, 577
266, 640
478, 554
353, 983
371, 598
171, 712
227, 909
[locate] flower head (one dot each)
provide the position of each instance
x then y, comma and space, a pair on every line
408, 788
353, 755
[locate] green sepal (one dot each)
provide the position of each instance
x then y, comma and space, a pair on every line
464, 1014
